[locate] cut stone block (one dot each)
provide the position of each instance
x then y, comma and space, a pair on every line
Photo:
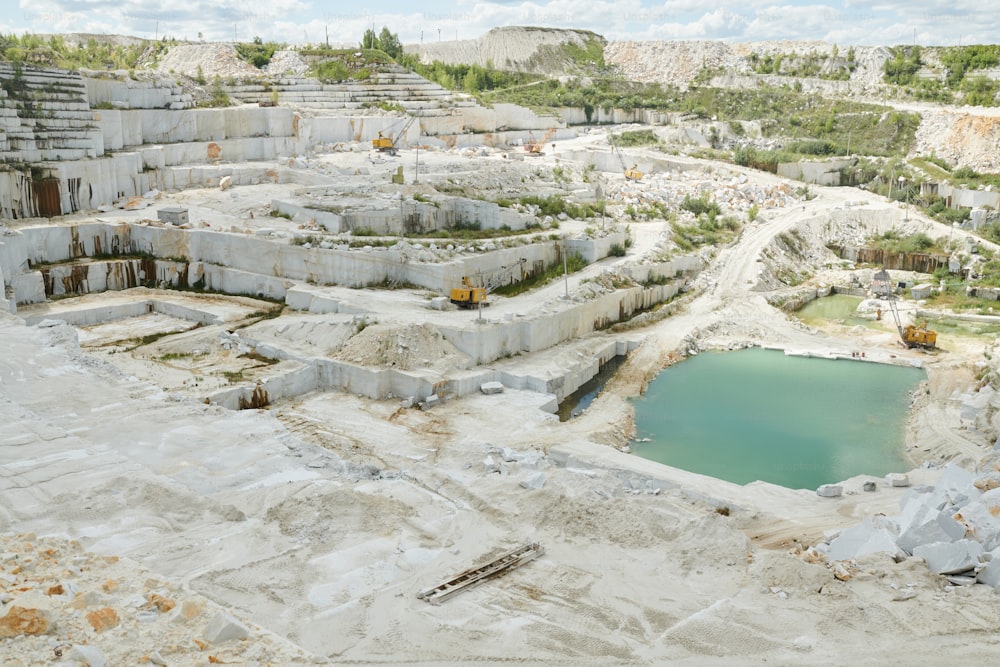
897, 479
830, 491
950, 557
224, 627
491, 387
440, 302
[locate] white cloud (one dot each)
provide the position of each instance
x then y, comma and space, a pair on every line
296, 21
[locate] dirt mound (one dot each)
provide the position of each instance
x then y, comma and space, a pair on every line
402, 347
207, 61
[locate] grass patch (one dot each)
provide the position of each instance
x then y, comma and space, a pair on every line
892, 241
636, 138
574, 263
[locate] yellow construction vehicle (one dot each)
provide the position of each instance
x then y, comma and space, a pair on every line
536, 147
468, 296
631, 173
389, 145
919, 336
911, 335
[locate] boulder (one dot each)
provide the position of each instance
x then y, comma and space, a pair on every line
533, 481
990, 573
950, 557
861, 540
223, 628
27, 614
491, 388
926, 525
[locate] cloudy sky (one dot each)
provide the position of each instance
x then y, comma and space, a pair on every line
940, 22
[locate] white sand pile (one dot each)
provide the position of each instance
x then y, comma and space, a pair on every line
403, 347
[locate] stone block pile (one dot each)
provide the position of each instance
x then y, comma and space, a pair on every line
954, 526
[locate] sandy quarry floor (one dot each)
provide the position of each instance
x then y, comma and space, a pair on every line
317, 522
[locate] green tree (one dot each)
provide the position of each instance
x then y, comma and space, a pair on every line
389, 43
369, 40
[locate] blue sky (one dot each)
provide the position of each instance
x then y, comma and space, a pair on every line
941, 22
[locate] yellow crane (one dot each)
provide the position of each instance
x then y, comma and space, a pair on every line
390, 144
536, 147
471, 296
631, 173
911, 335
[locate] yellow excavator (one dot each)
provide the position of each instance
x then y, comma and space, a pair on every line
631, 173
390, 145
468, 296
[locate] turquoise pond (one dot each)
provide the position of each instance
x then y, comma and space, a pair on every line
761, 415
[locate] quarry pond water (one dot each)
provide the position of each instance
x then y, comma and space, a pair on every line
761, 415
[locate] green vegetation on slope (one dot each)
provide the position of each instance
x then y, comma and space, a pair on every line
54, 51
258, 52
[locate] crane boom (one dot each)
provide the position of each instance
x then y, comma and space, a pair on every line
391, 144
631, 173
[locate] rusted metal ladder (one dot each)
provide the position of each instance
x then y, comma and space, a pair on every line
477, 575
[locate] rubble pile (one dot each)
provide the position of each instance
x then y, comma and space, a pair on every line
286, 62
62, 603
403, 347
736, 194
954, 526
207, 61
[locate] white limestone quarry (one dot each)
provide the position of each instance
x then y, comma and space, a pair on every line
310, 462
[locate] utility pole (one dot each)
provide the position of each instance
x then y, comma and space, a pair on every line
565, 273
906, 205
